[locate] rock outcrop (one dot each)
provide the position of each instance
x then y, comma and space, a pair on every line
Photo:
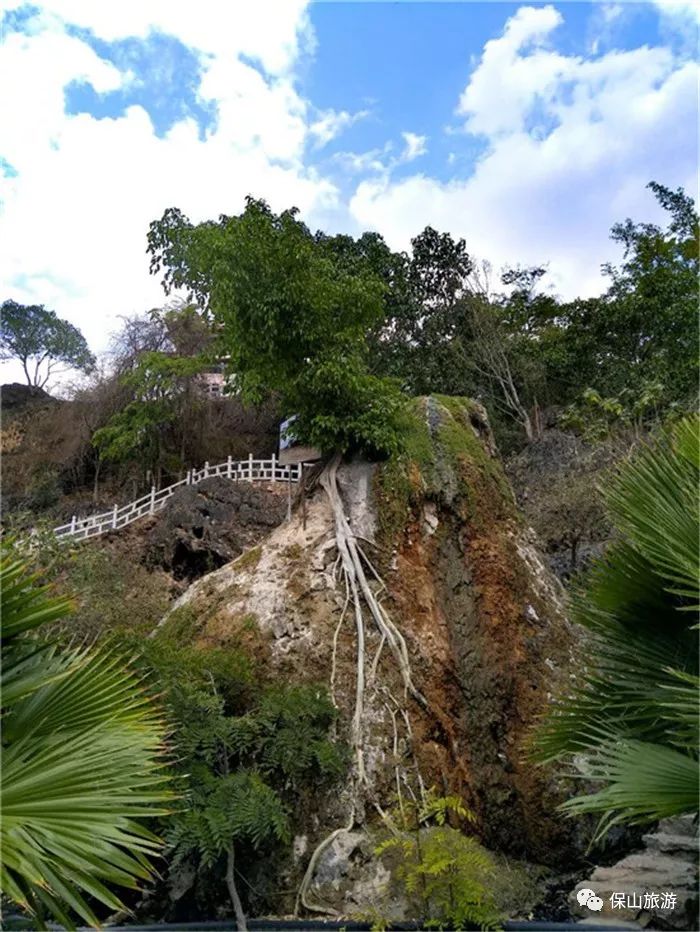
204, 526
456, 569
16, 397
656, 886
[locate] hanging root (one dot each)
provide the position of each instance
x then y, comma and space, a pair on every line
375, 662
397, 769
352, 561
409, 732
335, 642
311, 867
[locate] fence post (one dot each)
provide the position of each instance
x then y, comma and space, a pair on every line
228, 466
153, 500
289, 494
206, 469
188, 480
72, 524
250, 466
274, 466
114, 516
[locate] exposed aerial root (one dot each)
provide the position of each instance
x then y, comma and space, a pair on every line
409, 732
334, 656
354, 564
397, 769
375, 663
311, 867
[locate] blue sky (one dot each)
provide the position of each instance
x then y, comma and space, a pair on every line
526, 128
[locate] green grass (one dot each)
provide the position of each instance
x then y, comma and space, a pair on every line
249, 559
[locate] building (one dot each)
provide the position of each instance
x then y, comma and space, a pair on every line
211, 384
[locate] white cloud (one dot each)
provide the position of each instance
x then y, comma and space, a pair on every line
74, 220
611, 11
373, 161
380, 160
571, 145
332, 123
415, 146
270, 31
683, 10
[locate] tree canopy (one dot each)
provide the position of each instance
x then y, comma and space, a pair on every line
329, 321
41, 342
158, 357
292, 316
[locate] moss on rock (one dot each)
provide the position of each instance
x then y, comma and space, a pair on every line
448, 454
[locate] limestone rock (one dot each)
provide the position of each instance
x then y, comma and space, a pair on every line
351, 880
487, 638
204, 526
667, 864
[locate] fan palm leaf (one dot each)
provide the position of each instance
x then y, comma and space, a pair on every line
631, 719
83, 762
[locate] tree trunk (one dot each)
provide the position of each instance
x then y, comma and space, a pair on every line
26, 371
96, 483
233, 892
537, 417
574, 551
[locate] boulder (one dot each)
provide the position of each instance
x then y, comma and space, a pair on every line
482, 616
204, 526
350, 879
16, 397
658, 884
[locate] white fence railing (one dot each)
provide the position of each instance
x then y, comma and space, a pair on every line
250, 470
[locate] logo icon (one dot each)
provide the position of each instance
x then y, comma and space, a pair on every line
588, 898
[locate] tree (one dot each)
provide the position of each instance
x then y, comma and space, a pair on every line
414, 340
652, 303
41, 341
631, 721
493, 360
83, 748
448, 873
642, 331
292, 318
157, 359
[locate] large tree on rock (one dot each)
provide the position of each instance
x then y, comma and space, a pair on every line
293, 313
42, 342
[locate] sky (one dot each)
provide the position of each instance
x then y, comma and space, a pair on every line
526, 128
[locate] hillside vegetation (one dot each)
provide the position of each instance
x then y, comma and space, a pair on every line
353, 678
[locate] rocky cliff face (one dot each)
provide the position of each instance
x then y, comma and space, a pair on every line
205, 526
456, 570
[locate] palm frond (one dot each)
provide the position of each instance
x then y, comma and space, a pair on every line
631, 714
26, 604
643, 782
83, 761
654, 504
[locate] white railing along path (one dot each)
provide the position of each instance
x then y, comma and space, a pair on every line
250, 470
